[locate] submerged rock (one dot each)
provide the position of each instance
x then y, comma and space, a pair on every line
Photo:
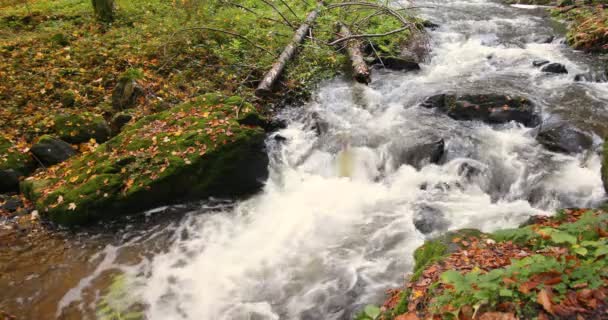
420, 153
490, 108
429, 219
399, 64
50, 151
192, 151
540, 63
554, 68
564, 138
591, 77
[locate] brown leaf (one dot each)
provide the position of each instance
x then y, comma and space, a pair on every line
407, 316
527, 286
498, 316
544, 299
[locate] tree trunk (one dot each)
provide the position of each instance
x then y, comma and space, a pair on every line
361, 72
265, 87
104, 10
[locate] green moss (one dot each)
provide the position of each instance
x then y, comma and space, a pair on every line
78, 128
191, 151
429, 253
13, 158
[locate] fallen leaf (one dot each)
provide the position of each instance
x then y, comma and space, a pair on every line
407, 316
544, 299
72, 206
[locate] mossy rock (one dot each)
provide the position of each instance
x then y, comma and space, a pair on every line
435, 249
13, 158
82, 127
192, 151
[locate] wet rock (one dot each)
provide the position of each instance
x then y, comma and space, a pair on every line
126, 93
540, 63
12, 204
591, 77
119, 121
420, 153
51, 151
279, 138
564, 138
82, 127
554, 68
428, 219
543, 39
469, 171
188, 166
396, 63
490, 108
430, 25
9, 181
319, 125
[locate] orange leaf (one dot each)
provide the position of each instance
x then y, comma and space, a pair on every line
407, 316
544, 299
498, 316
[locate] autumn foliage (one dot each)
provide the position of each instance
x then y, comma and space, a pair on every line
553, 268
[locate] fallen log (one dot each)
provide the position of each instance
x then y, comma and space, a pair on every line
265, 87
361, 72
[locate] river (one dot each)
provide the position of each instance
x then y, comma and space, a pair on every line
334, 226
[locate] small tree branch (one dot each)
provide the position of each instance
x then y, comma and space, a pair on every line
279, 12
289, 8
372, 35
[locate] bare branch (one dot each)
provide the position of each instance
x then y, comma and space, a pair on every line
372, 35
291, 10
279, 12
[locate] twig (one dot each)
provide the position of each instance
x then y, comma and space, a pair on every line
376, 53
279, 12
291, 10
371, 35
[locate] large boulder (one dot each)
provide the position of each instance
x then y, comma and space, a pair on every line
192, 151
419, 153
15, 162
564, 138
82, 127
50, 151
490, 108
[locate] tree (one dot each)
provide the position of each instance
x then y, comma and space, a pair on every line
104, 10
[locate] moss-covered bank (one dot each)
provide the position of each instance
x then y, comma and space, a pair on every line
550, 268
191, 151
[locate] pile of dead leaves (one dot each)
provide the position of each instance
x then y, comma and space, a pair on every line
552, 268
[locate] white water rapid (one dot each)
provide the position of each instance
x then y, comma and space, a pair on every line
334, 226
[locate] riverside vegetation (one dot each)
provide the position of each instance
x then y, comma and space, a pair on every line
159, 103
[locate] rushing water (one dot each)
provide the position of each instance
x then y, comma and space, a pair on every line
333, 228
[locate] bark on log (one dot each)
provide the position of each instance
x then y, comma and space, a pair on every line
361, 72
265, 87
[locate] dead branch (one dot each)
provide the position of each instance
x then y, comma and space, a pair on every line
279, 12
361, 72
371, 35
290, 9
265, 87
